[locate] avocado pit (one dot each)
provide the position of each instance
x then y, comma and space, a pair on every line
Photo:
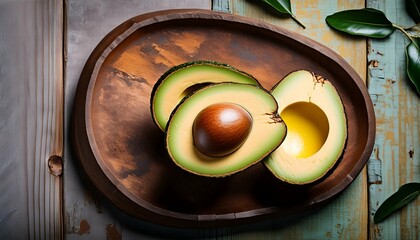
221, 128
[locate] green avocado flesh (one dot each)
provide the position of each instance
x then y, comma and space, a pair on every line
265, 135
317, 128
182, 80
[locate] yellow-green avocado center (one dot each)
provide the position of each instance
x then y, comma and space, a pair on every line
307, 129
316, 128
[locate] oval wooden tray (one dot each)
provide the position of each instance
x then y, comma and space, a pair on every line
123, 152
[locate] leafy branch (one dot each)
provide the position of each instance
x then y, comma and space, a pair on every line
373, 23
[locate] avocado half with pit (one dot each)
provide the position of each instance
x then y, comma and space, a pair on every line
183, 79
317, 128
224, 128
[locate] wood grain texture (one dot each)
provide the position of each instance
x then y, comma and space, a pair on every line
31, 120
87, 214
112, 107
346, 217
396, 158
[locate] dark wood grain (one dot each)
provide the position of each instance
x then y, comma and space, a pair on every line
122, 151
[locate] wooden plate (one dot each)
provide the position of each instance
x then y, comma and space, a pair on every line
123, 152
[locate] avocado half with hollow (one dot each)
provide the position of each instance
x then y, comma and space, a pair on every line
317, 128
243, 116
181, 80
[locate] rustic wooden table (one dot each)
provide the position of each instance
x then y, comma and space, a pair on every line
43, 48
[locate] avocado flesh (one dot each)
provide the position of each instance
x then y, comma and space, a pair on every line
267, 131
309, 105
308, 129
181, 80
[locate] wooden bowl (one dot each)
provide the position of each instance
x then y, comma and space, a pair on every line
123, 152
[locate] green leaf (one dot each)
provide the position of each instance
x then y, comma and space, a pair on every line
412, 52
413, 9
366, 22
283, 6
405, 194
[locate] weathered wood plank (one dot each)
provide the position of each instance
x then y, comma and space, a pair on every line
87, 214
396, 159
31, 121
346, 217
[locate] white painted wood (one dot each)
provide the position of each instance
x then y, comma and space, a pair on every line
31, 105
